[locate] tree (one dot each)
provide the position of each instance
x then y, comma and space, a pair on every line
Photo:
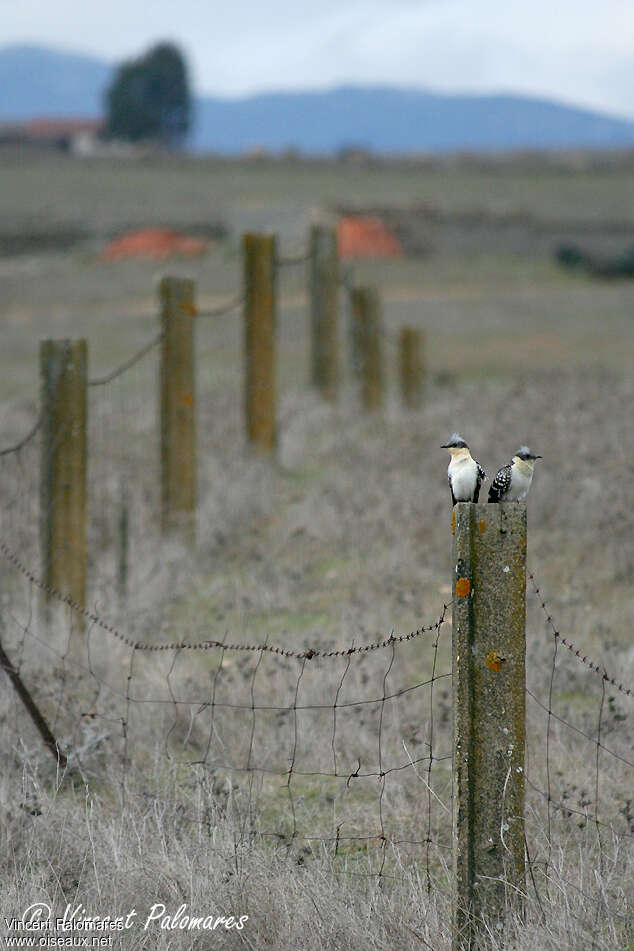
150, 99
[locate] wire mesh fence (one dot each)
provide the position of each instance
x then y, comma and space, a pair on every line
342, 744
345, 746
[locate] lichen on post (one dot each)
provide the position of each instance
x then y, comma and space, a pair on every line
324, 310
259, 341
366, 341
489, 682
63, 468
411, 366
178, 408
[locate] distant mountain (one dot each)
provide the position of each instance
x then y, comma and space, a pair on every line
36, 81
400, 120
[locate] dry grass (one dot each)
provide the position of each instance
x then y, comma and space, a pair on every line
75, 847
343, 537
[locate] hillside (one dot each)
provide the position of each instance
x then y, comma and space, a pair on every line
43, 82
35, 81
401, 120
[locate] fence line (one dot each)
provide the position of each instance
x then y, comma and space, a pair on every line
63, 465
324, 282
353, 768
345, 278
127, 364
290, 259
226, 720
583, 658
209, 644
26, 439
576, 729
178, 429
305, 654
236, 727
222, 309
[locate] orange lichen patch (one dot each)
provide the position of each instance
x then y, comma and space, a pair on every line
494, 661
482, 525
188, 309
463, 587
453, 523
188, 399
359, 236
154, 243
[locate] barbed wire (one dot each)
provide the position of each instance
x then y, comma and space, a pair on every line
222, 309
290, 259
228, 749
577, 652
571, 726
210, 644
127, 364
559, 801
236, 301
26, 439
385, 836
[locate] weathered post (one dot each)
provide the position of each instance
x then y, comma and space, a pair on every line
124, 544
259, 340
324, 310
63, 468
366, 337
411, 366
178, 408
489, 640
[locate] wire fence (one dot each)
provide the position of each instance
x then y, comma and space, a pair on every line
348, 746
286, 722
285, 264
345, 745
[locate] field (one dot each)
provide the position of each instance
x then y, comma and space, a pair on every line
342, 539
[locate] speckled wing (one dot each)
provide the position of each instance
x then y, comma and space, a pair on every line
481, 478
501, 484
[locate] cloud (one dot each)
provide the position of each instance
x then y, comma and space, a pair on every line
576, 50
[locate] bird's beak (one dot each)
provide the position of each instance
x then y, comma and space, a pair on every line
539, 457
446, 446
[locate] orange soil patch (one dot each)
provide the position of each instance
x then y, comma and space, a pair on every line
156, 243
364, 237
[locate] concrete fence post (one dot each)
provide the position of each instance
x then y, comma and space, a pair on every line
411, 367
259, 340
366, 340
489, 640
63, 468
178, 408
324, 310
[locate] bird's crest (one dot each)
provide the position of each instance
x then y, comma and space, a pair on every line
455, 442
525, 453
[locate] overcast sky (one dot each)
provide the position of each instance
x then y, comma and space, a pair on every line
579, 51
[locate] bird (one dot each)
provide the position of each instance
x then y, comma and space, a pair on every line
512, 481
465, 474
